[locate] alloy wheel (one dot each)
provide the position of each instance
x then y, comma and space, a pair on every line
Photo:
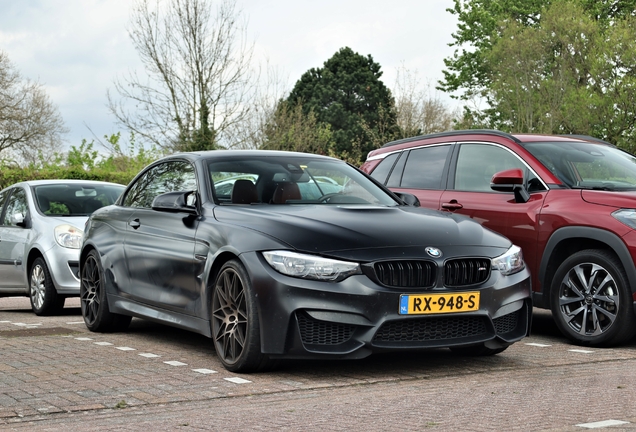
89, 292
589, 299
229, 312
38, 286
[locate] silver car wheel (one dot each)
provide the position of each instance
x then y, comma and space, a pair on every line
38, 286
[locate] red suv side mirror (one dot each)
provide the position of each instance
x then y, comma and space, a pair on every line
510, 181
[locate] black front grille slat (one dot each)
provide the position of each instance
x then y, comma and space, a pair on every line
406, 274
466, 271
431, 329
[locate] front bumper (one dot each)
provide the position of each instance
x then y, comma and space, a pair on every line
63, 264
353, 318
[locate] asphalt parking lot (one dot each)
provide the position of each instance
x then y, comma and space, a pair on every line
56, 375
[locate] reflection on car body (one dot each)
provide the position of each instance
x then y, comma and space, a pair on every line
305, 257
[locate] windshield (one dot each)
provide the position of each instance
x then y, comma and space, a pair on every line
292, 180
587, 165
75, 199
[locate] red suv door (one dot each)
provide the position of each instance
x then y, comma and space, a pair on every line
469, 193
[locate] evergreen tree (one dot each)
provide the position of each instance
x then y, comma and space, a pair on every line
347, 94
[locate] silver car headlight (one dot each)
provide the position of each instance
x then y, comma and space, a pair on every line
310, 266
68, 236
509, 263
626, 216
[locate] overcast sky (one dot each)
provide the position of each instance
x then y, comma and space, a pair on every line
76, 48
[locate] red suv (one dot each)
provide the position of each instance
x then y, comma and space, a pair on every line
568, 201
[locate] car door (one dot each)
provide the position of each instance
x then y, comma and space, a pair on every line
14, 235
420, 171
469, 193
159, 246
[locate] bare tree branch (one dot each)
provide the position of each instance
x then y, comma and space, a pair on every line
30, 124
199, 78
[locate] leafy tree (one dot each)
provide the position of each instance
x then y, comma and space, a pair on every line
469, 71
29, 122
291, 129
568, 74
348, 95
198, 84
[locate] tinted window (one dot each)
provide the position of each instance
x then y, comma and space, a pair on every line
166, 177
16, 206
424, 168
587, 165
396, 175
381, 172
294, 180
477, 163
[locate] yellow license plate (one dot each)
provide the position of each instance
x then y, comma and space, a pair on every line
417, 304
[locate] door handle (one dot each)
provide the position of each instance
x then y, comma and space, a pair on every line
134, 223
453, 205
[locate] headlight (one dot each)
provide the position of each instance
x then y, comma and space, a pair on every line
626, 216
310, 266
509, 263
68, 236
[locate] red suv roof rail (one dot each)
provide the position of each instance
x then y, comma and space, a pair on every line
455, 132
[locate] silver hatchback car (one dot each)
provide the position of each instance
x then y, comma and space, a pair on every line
41, 229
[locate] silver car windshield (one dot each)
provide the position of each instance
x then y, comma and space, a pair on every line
74, 199
293, 180
587, 165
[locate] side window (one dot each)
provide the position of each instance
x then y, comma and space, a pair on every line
17, 208
381, 172
3, 197
477, 163
424, 167
396, 175
167, 177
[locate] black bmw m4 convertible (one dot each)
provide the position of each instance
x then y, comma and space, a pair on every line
288, 255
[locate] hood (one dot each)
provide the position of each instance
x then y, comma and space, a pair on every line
610, 198
367, 232
78, 222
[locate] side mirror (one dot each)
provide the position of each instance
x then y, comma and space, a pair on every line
176, 202
409, 199
510, 181
18, 219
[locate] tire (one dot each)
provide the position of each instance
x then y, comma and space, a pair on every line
44, 297
479, 350
93, 302
234, 321
591, 301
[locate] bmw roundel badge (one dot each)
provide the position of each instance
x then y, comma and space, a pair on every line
434, 252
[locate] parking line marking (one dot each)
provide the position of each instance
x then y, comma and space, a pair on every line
534, 344
175, 363
205, 371
237, 380
103, 343
75, 322
126, 349
149, 355
581, 351
602, 424
19, 324
5, 322
83, 338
